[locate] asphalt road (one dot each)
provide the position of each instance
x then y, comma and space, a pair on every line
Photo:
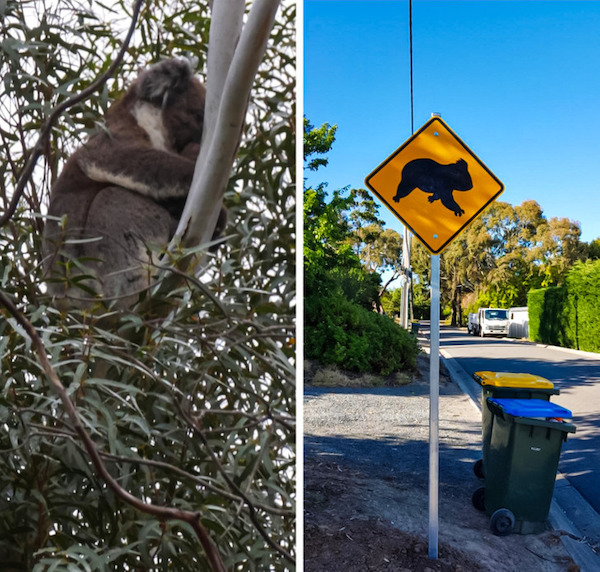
576, 374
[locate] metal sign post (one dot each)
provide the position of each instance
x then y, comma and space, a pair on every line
434, 402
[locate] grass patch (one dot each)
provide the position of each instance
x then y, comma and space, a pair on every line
332, 376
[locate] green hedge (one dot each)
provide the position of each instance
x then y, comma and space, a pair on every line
583, 283
345, 334
548, 320
567, 315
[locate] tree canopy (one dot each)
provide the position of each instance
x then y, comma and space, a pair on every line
503, 254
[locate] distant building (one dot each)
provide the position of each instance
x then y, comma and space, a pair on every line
518, 323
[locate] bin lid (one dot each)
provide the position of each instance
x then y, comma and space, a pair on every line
505, 379
531, 408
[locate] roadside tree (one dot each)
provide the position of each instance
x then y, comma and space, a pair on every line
341, 292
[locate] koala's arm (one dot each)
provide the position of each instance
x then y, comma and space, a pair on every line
157, 174
191, 151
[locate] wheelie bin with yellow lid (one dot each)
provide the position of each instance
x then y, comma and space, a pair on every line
525, 446
510, 386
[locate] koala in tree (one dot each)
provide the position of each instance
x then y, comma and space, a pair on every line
124, 190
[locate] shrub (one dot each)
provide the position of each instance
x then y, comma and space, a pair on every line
339, 332
583, 284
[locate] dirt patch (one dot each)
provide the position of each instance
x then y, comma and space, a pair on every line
366, 486
384, 549
331, 376
342, 534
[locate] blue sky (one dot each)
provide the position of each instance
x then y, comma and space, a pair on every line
518, 81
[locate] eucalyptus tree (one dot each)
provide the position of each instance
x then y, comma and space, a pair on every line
190, 459
501, 255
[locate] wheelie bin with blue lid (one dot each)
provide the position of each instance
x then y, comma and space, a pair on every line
525, 446
506, 385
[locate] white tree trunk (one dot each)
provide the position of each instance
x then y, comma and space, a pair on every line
234, 54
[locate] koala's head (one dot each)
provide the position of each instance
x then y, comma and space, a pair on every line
176, 96
461, 177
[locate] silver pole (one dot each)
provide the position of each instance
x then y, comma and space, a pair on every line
434, 401
405, 284
408, 276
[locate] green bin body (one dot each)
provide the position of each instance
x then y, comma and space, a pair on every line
510, 386
522, 461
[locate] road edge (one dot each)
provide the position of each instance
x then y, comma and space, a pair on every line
560, 517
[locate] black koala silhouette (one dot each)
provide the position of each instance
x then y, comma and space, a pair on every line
439, 180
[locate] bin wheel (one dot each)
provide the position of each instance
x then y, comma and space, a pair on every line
478, 499
478, 469
502, 522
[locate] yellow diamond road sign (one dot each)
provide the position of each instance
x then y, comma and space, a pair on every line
435, 185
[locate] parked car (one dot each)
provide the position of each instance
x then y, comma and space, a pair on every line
473, 324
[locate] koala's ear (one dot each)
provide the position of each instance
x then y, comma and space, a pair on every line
160, 83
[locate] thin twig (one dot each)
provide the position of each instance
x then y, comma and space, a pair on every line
199, 480
233, 487
200, 286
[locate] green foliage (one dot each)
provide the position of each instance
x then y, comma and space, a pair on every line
340, 292
357, 285
330, 263
497, 296
594, 249
194, 410
548, 318
583, 284
421, 301
325, 233
535, 305
568, 316
392, 301
317, 141
341, 333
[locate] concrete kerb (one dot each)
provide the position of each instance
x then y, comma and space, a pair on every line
559, 517
557, 348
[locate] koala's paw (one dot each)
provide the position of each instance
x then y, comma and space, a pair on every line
191, 151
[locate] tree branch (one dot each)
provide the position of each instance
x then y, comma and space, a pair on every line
225, 29
396, 274
58, 111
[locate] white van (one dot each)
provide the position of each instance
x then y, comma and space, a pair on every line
473, 324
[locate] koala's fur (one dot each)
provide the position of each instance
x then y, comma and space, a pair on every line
124, 190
